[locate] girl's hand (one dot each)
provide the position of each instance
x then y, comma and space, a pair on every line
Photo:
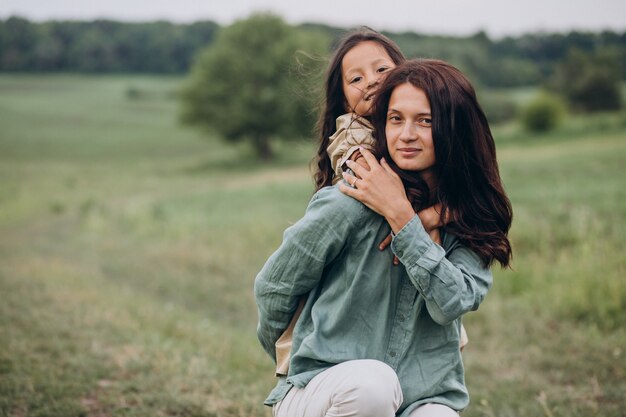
359, 159
434, 235
380, 189
383, 245
431, 218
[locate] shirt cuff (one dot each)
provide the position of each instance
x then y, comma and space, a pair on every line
417, 252
409, 242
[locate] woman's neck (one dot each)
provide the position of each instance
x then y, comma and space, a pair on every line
429, 177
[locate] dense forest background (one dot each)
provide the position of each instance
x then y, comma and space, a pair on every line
105, 46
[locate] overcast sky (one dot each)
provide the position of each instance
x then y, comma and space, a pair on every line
455, 17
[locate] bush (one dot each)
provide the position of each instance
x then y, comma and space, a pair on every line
543, 113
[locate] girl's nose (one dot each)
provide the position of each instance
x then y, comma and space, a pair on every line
373, 81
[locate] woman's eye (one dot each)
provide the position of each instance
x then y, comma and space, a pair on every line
393, 118
425, 121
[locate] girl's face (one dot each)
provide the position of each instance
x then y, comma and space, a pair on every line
362, 69
408, 131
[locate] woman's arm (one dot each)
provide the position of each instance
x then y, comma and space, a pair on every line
450, 286
297, 266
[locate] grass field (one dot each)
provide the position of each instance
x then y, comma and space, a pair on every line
128, 248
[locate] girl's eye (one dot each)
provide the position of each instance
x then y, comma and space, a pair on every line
355, 80
382, 69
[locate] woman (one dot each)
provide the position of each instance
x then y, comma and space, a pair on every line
373, 339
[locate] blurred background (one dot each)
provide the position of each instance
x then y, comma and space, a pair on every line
152, 153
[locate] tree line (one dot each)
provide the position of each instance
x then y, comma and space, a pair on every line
161, 47
259, 79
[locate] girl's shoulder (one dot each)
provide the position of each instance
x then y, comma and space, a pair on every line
353, 121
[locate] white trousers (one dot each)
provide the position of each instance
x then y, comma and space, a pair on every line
358, 388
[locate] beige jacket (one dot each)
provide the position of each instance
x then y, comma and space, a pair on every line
352, 131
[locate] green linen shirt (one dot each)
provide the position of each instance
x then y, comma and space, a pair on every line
360, 306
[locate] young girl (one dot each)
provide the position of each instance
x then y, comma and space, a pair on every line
358, 66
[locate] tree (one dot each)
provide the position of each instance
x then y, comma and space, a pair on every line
18, 38
591, 82
245, 85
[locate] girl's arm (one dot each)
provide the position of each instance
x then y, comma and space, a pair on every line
344, 144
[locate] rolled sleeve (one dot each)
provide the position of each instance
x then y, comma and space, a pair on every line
451, 283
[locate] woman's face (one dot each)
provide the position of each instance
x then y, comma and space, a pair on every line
408, 130
362, 69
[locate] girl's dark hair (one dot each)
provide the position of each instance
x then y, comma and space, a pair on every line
334, 104
469, 187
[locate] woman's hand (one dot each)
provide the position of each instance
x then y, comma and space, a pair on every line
380, 189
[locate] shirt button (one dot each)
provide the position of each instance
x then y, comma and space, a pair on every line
392, 354
401, 317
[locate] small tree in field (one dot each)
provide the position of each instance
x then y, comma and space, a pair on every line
543, 113
246, 85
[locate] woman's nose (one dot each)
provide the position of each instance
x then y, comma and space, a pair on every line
409, 132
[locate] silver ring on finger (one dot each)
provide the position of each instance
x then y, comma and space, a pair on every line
354, 183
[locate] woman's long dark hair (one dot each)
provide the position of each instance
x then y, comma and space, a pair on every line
334, 98
469, 187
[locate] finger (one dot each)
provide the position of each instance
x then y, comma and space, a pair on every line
356, 168
361, 161
355, 155
386, 167
386, 242
347, 190
369, 157
350, 179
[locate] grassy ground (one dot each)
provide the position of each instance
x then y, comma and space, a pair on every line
128, 247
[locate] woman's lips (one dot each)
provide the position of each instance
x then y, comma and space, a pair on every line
409, 151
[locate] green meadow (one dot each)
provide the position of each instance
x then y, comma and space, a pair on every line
129, 246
